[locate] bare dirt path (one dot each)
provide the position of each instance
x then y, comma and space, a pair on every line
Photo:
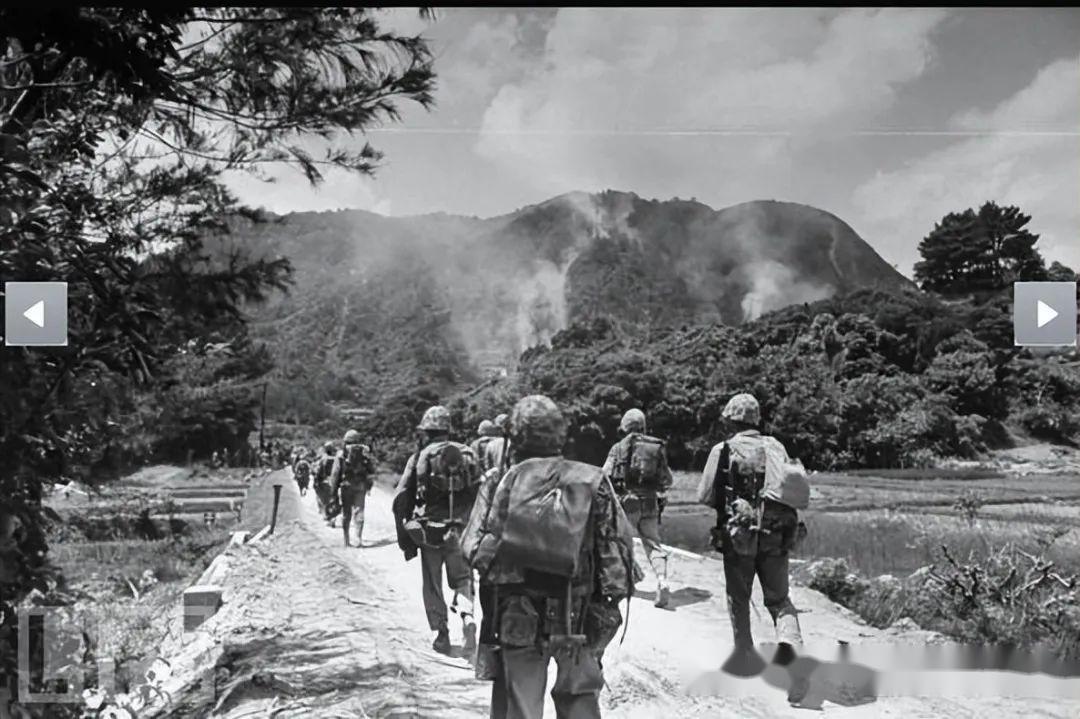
312, 629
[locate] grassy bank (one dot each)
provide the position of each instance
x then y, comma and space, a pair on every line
123, 570
985, 558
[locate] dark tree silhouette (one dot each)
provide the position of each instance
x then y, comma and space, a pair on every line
979, 252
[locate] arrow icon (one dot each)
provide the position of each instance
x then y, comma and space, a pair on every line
1044, 313
36, 313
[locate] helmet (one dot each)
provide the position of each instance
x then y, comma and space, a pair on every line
486, 429
329, 447
537, 426
352, 437
743, 408
633, 421
436, 419
502, 423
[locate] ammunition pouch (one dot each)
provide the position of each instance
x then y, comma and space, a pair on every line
433, 535
519, 623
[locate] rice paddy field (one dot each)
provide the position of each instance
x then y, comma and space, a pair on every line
896, 522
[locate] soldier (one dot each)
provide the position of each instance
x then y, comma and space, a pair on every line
351, 479
431, 505
638, 470
496, 448
559, 572
485, 433
754, 533
321, 481
301, 470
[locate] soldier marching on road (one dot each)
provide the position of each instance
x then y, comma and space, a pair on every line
321, 482
486, 432
558, 550
495, 450
301, 470
756, 489
431, 506
351, 479
637, 467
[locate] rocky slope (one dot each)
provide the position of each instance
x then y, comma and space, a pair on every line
383, 303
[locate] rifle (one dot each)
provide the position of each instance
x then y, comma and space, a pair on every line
720, 493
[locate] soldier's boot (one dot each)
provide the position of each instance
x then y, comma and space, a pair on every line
663, 591
468, 631
442, 641
345, 533
745, 661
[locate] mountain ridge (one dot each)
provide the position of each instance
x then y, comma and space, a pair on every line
474, 293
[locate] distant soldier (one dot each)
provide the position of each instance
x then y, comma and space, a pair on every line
431, 506
558, 549
485, 433
496, 448
321, 481
752, 483
351, 479
301, 470
215, 460
638, 469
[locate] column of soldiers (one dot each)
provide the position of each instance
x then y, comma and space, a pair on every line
545, 544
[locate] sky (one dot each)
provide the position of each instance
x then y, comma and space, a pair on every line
890, 118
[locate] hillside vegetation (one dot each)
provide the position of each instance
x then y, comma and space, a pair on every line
871, 378
385, 308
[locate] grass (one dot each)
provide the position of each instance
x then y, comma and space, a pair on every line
979, 556
883, 525
128, 584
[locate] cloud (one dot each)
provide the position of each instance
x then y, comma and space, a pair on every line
606, 72
291, 192
1012, 164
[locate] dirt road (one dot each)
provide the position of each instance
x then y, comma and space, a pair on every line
310, 628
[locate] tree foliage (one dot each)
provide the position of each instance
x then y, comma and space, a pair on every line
868, 379
979, 251
118, 127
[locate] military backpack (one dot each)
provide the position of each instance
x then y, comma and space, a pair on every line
641, 465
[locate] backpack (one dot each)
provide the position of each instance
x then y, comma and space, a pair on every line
761, 469
355, 466
642, 464
302, 470
446, 468
785, 478
548, 514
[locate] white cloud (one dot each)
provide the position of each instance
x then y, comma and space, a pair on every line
293, 193
765, 70
1040, 173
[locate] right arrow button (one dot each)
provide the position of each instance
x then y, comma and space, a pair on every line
1044, 313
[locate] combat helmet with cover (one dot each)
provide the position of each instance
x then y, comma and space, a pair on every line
537, 427
743, 408
632, 421
486, 428
435, 419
